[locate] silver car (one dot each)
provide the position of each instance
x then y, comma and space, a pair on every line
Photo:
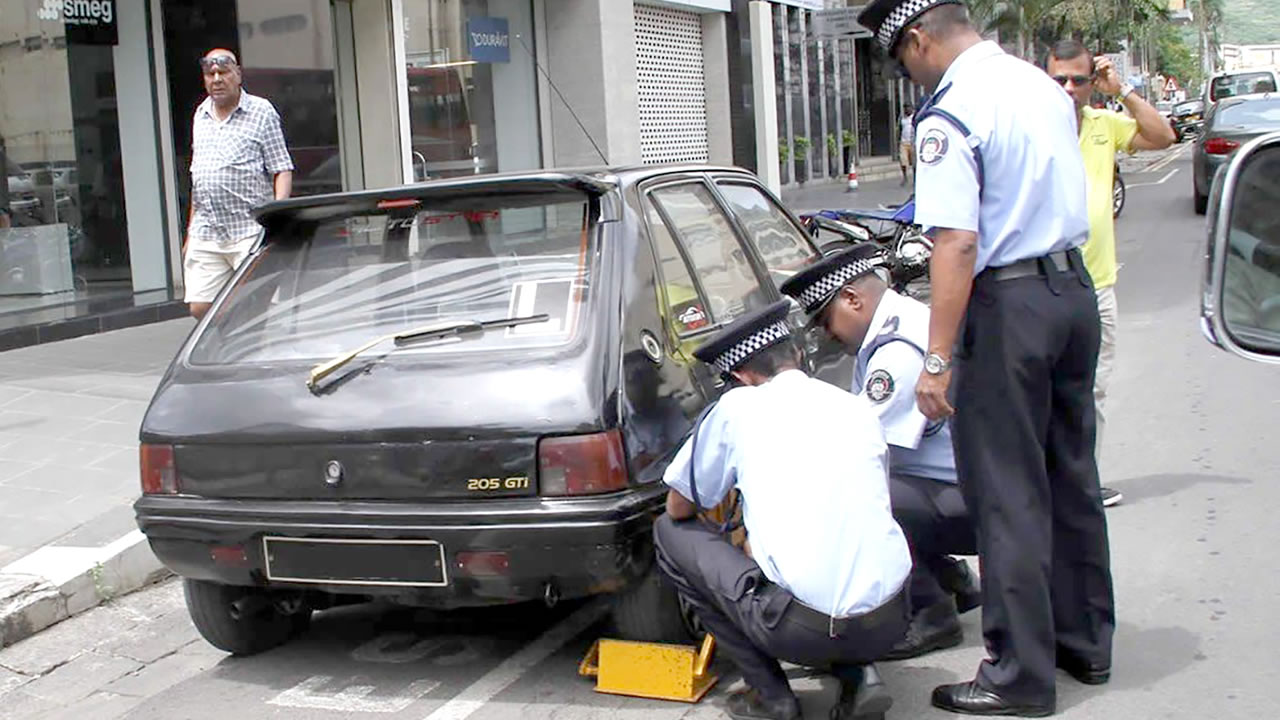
1232, 122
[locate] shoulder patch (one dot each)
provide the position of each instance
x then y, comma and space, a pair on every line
933, 146
879, 386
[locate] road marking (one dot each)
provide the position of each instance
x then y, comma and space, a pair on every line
1160, 164
1161, 181
307, 695
475, 695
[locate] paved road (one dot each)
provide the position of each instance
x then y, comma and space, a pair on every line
1190, 443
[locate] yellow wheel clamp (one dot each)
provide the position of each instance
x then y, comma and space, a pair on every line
650, 670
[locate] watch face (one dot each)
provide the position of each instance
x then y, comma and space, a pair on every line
933, 364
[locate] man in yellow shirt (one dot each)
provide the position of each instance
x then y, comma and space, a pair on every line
1102, 134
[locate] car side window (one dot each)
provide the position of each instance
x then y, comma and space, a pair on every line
731, 286
1251, 303
687, 306
781, 245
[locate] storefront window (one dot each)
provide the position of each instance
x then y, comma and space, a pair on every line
472, 91
63, 234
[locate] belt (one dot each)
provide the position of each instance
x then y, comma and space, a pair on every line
1030, 267
892, 610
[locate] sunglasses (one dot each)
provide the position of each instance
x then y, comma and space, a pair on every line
1076, 80
223, 62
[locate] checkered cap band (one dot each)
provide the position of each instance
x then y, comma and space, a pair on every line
813, 296
898, 18
740, 351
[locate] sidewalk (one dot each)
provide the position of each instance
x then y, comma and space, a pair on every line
69, 418
832, 195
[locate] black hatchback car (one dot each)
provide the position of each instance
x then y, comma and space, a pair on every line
457, 393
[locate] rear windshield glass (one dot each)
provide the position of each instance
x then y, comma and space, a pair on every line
319, 289
1248, 113
1241, 84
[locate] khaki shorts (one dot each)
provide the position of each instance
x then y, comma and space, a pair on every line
906, 154
208, 266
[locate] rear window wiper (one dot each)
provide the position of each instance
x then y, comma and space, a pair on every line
435, 331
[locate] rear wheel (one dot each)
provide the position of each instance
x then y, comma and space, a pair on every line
241, 620
651, 611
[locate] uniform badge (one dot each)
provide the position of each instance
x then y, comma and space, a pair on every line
879, 386
933, 146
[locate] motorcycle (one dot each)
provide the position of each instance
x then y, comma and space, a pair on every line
907, 249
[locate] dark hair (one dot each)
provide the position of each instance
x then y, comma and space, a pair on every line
1070, 49
774, 359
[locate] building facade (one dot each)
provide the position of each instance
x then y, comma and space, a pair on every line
97, 99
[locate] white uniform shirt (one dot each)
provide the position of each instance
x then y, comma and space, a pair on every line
890, 361
810, 462
1033, 196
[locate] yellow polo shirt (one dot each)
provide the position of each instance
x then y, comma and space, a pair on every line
1102, 133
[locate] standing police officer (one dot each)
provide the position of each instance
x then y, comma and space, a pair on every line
1001, 186
847, 297
823, 585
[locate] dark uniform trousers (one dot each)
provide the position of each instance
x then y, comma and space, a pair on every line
1024, 438
933, 516
754, 621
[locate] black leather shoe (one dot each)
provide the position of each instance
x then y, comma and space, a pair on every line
970, 699
958, 580
1083, 671
867, 700
749, 704
933, 628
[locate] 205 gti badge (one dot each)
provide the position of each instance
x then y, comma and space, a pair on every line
879, 386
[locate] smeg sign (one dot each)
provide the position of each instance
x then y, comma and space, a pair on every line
88, 22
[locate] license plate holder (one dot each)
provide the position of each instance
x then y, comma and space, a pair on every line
348, 561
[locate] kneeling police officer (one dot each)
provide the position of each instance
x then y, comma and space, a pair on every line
846, 295
822, 583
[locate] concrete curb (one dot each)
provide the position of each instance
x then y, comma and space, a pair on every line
55, 583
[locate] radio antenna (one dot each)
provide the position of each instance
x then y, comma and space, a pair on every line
560, 95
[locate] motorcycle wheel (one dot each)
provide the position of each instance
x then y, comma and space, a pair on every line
1117, 197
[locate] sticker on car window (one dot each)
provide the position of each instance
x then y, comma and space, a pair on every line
557, 298
689, 316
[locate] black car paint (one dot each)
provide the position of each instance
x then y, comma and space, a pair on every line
410, 432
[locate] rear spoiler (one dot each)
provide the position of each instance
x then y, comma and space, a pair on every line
526, 185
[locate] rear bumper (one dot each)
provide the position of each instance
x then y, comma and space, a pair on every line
577, 547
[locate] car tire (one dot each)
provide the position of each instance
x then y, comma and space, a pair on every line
1117, 196
210, 607
1202, 202
651, 611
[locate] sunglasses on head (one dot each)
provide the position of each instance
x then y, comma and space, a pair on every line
218, 61
1075, 79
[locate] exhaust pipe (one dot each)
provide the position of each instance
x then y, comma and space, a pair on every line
248, 606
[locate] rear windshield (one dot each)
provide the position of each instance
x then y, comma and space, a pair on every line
319, 289
1241, 84
1249, 113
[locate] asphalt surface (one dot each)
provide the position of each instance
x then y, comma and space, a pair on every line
1190, 444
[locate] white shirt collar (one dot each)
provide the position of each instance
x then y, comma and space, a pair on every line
884, 311
980, 51
207, 106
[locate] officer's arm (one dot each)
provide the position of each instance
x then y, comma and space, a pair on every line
951, 280
710, 466
678, 507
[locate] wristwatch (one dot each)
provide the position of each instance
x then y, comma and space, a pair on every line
935, 364
1125, 89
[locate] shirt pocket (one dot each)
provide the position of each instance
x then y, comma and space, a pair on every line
241, 150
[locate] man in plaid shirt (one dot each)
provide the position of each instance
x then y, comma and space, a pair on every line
238, 161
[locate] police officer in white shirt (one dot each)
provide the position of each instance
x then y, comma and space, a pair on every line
846, 294
1001, 189
824, 582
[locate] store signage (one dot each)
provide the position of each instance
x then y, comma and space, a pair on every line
88, 22
838, 22
488, 40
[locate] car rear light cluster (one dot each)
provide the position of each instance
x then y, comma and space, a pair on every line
159, 474
1220, 146
581, 464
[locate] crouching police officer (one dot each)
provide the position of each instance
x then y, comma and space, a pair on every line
823, 585
846, 295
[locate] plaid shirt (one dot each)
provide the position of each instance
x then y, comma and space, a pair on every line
233, 164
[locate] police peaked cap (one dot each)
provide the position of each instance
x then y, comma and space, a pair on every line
888, 18
814, 286
746, 336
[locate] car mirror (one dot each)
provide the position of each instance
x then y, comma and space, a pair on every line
1240, 302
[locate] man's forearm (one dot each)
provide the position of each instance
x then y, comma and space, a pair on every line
283, 184
950, 281
679, 507
1154, 132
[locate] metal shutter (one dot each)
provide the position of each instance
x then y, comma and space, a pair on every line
671, 85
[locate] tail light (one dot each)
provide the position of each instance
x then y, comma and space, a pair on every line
1220, 146
159, 476
581, 464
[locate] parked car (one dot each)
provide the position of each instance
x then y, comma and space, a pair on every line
1231, 123
1240, 298
457, 393
1187, 119
1234, 83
